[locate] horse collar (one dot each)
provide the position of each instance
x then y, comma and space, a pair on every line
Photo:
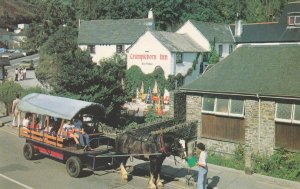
162, 143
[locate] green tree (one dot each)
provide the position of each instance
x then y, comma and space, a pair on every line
49, 16
214, 57
8, 91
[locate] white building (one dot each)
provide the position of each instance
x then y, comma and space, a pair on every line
216, 36
173, 52
104, 38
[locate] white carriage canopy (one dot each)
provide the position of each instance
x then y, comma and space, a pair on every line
59, 107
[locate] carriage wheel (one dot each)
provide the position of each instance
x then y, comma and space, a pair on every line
74, 166
28, 151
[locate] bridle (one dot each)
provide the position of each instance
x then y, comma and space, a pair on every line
162, 143
163, 149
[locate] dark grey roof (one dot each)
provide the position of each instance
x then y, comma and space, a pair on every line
214, 32
267, 33
271, 32
290, 8
123, 31
175, 42
250, 70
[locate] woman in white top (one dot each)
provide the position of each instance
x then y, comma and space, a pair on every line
68, 131
202, 175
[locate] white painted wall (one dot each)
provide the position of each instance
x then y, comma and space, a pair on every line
102, 51
189, 29
187, 62
149, 45
158, 55
225, 49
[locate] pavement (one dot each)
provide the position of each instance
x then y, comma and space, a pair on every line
218, 177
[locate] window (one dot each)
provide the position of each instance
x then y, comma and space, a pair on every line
297, 20
205, 57
289, 113
230, 48
208, 104
294, 20
223, 106
220, 50
178, 57
120, 49
92, 49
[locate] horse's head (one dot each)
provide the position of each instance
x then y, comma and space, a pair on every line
170, 145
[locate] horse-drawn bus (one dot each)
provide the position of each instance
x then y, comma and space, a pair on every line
46, 128
69, 130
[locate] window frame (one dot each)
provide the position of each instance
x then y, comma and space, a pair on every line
230, 48
220, 50
229, 114
179, 60
292, 116
292, 20
122, 49
295, 18
92, 49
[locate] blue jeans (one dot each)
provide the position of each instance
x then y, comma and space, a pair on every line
202, 178
84, 139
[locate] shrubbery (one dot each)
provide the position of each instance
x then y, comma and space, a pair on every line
237, 161
9, 89
281, 164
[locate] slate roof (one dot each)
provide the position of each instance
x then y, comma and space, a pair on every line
175, 42
214, 32
267, 33
4, 61
290, 8
250, 70
123, 31
271, 32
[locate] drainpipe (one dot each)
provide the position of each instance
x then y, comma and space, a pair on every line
259, 102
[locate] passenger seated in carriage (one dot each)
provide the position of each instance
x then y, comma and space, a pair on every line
68, 132
81, 134
34, 125
27, 120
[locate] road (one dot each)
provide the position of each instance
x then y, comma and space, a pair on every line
18, 173
31, 80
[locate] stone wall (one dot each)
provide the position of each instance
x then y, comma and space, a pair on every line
193, 113
260, 126
267, 127
177, 105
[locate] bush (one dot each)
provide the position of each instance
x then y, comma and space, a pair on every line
281, 164
237, 161
8, 91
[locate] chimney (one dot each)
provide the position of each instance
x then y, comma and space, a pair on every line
238, 28
150, 14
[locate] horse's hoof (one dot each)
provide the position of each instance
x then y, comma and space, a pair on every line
125, 178
152, 186
159, 185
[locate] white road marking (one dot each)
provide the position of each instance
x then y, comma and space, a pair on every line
12, 180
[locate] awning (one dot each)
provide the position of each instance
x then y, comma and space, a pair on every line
59, 107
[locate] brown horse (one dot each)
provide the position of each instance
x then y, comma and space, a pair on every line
155, 148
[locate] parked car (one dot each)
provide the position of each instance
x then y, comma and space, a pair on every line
28, 64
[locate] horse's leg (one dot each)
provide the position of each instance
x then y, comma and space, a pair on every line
152, 173
124, 173
160, 160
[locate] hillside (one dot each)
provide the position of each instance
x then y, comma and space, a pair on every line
15, 11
